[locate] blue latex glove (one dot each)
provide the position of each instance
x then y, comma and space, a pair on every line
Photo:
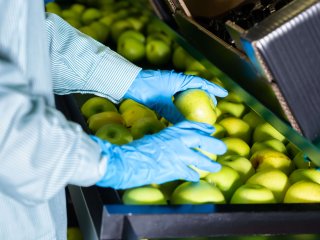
156, 88
161, 157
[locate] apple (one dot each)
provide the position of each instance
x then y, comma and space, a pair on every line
137, 23
101, 29
145, 195
301, 160
236, 127
126, 104
132, 34
253, 119
53, 7
274, 144
97, 120
158, 52
135, 113
114, 133
227, 180
96, 105
219, 131
292, 149
78, 8
179, 57
235, 109
167, 188
67, 13
196, 105
252, 194
131, 49
74, 233
217, 81
118, 27
310, 174
155, 25
241, 164
90, 32
193, 65
265, 131
303, 192
90, 15
159, 36
233, 97
270, 159
236, 146
108, 19
146, 125
273, 179
200, 192
74, 22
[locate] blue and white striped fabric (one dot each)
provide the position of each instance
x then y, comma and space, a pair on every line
40, 151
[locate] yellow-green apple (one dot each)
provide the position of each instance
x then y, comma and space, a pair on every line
217, 81
236, 109
292, 149
108, 19
233, 97
161, 36
241, 164
310, 174
101, 29
158, 52
67, 14
252, 194
227, 180
53, 7
126, 104
137, 23
136, 112
194, 65
167, 188
273, 179
200, 192
236, 127
131, 49
114, 133
96, 105
155, 25
270, 159
236, 146
89, 15
196, 105
219, 131
74, 22
274, 144
90, 32
145, 195
97, 120
146, 125
179, 57
132, 34
301, 160
78, 8
118, 27
265, 131
253, 119
303, 192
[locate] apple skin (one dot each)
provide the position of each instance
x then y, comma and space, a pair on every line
227, 180
292, 149
114, 133
97, 120
196, 105
96, 105
236, 127
269, 159
200, 192
301, 161
252, 194
179, 57
136, 112
146, 195
219, 132
101, 29
233, 97
241, 164
126, 104
158, 52
265, 131
146, 125
310, 174
273, 179
131, 49
303, 192
89, 15
235, 109
132, 34
236, 146
118, 27
167, 188
274, 144
253, 119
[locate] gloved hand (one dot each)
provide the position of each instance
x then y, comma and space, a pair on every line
161, 157
156, 88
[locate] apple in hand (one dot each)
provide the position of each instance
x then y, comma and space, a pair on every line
146, 125
273, 179
196, 105
270, 159
97, 120
236, 127
200, 192
236, 146
274, 144
114, 133
241, 164
310, 174
227, 180
252, 194
96, 105
158, 52
146, 195
303, 192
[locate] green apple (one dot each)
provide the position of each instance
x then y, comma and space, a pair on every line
236, 146
74, 22
74, 233
132, 49
155, 25
132, 34
310, 174
114, 133
270, 159
292, 149
118, 27
90, 32
179, 57
233, 97
146, 125
137, 23
235, 109
53, 7
219, 131
158, 52
135, 113
227, 180
159, 36
216, 81
96, 105
274, 144
101, 29
78, 8
265, 131
146, 195
90, 15
236, 127
252, 194
196, 105
273, 179
108, 19
241, 164
67, 13
193, 65
253, 119
126, 104
167, 188
301, 160
200, 192
97, 120
303, 192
